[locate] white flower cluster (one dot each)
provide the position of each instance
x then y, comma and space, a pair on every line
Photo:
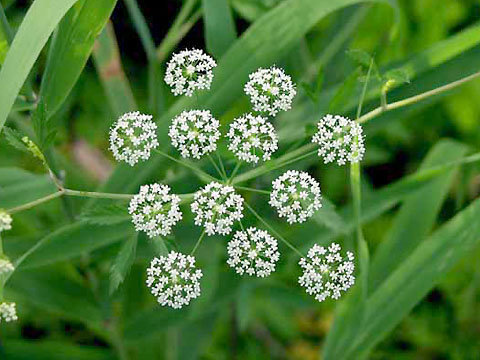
254, 252
8, 312
252, 137
5, 221
326, 273
270, 90
194, 133
174, 279
154, 210
340, 139
216, 208
188, 71
296, 196
6, 267
133, 137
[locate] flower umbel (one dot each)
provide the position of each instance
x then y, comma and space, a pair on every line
296, 196
326, 273
133, 137
254, 252
216, 208
5, 221
174, 279
154, 210
194, 133
251, 138
6, 266
270, 90
8, 311
340, 139
188, 71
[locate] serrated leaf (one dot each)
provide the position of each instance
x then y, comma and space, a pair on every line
106, 215
123, 262
14, 138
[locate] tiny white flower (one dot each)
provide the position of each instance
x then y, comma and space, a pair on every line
270, 90
8, 312
216, 207
5, 221
251, 138
339, 139
296, 196
326, 273
6, 266
253, 252
174, 279
154, 210
194, 133
132, 137
188, 71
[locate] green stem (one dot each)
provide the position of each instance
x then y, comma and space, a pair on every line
296, 155
414, 99
98, 195
219, 172
34, 203
285, 241
203, 174
221, 165
234, 172
5, 26
266, 192
199, 241
362, 246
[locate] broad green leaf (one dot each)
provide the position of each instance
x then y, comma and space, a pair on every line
54, 290
71, 241
110, 70
417, 215
415, 277
39, 22
19, 187
70, 49
110, 214
123, 262
15, 349
220, 31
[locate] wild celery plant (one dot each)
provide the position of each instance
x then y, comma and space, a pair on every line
233, 163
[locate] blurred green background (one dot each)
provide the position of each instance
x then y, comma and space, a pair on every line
271, 318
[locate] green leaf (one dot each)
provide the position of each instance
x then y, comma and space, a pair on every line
39, 22
220, 31
71, 241
54, 289
418, 213
415, 277
413, 223
123, 262
18, 186
110, 70
110, 214
14, 138
70, 49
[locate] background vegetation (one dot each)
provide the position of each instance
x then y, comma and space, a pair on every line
425, 279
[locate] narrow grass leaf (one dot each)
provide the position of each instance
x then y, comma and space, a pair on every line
39, 22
